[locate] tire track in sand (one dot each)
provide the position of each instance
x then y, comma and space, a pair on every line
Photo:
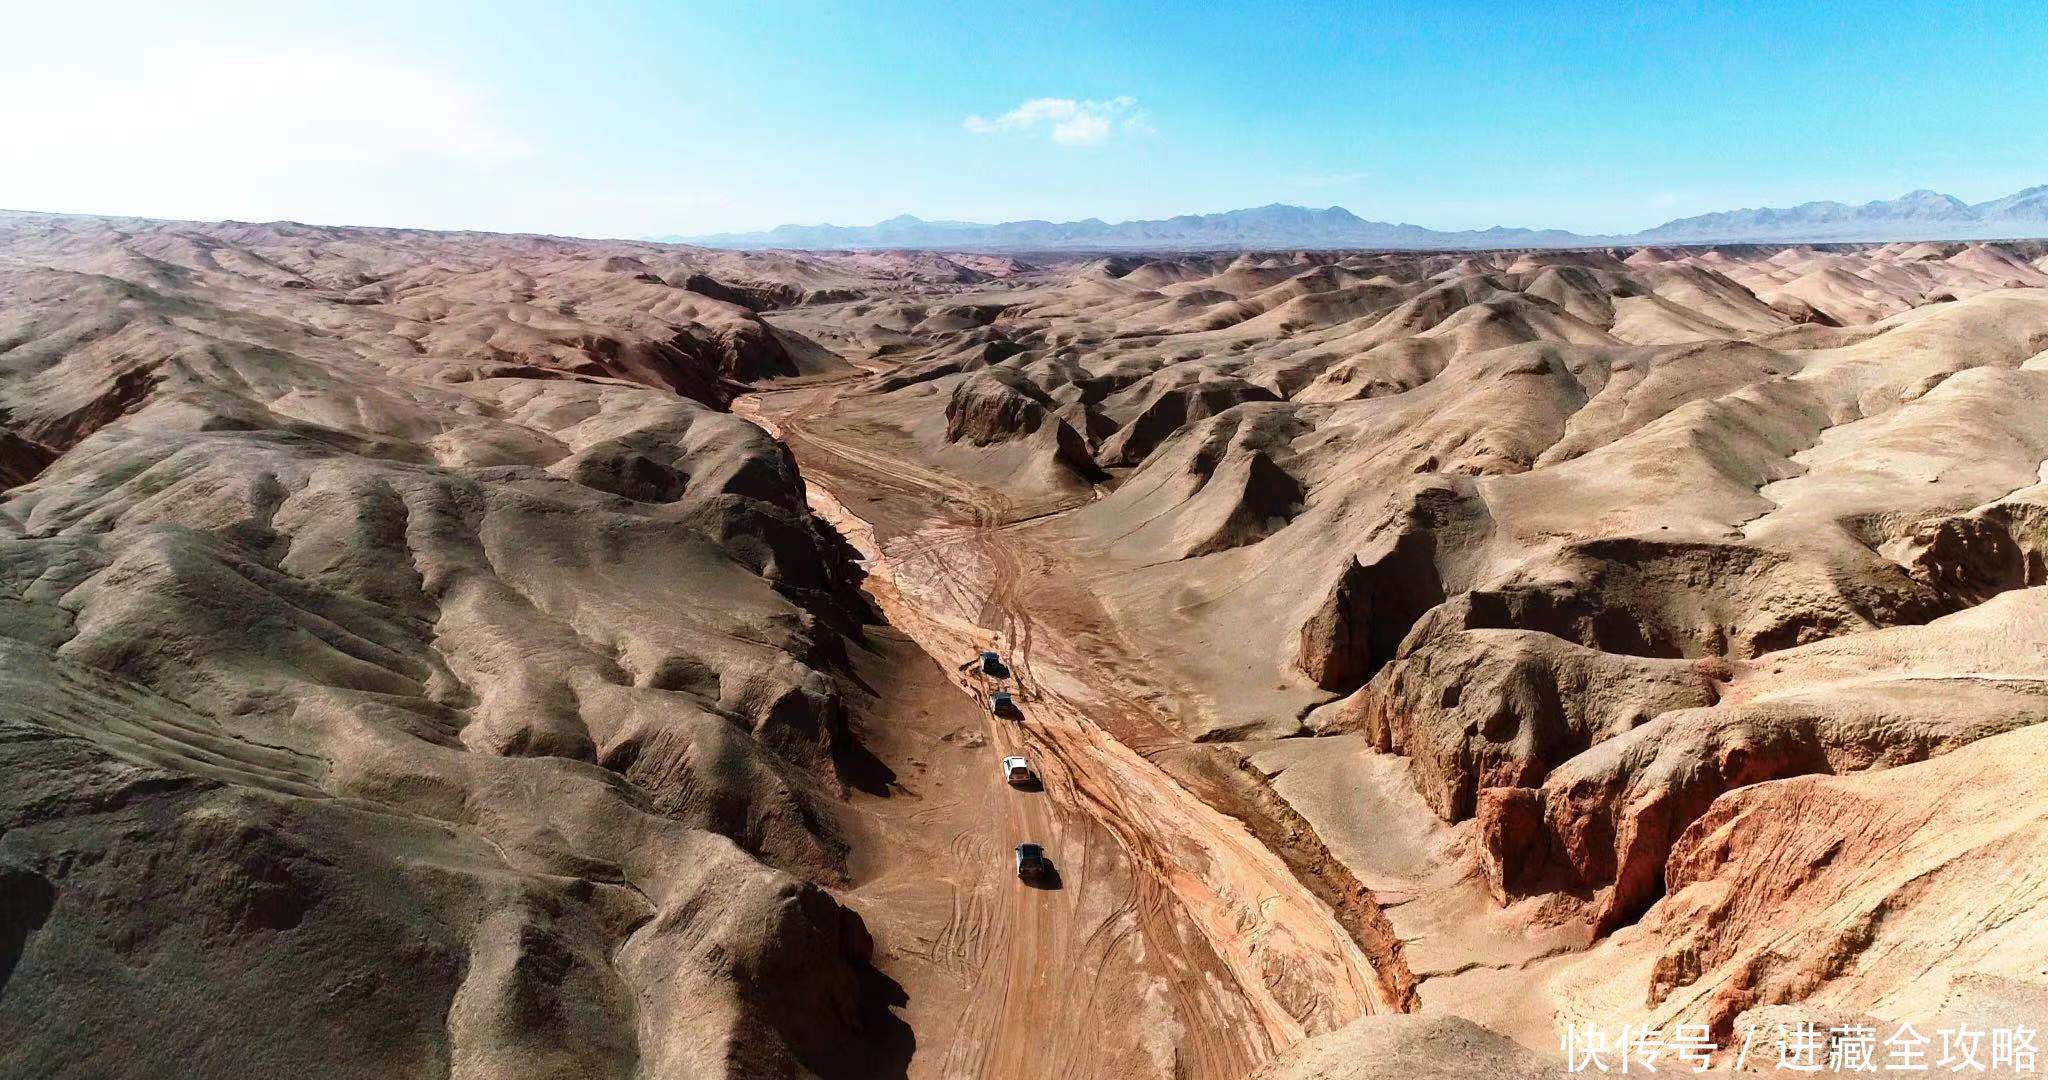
1257, 962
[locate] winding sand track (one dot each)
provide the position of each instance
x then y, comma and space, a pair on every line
1251, 959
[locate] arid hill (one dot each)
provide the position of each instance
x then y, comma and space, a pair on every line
410, 668
504, 656
1642, 565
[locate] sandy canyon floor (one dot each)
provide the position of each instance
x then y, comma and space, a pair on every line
459, 654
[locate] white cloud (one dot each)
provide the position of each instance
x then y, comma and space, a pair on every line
288, 106
1068, 121
231, 129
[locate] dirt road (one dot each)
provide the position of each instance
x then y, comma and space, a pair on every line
1239, 958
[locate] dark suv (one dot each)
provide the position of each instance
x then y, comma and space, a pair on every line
1031, 861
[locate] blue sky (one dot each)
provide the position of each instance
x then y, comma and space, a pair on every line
642, 119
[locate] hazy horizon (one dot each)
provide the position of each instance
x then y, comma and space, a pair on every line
1390, 219
687, 120
671, 236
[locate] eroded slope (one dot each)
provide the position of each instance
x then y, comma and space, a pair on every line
409, 669
1605, 543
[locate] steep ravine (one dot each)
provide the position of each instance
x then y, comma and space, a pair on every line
1300, 946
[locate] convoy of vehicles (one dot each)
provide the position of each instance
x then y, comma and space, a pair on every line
1032, 863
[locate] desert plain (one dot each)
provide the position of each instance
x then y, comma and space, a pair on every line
480, 655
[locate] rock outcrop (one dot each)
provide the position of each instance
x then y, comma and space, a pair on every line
405, 660
1599, 540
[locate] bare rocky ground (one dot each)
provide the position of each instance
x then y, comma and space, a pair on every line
411, 668
417, 662
1610, 579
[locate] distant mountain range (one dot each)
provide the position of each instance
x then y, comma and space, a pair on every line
1917, 215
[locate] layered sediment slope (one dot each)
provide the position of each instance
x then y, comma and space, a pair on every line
1611, 546
408, 668
410, 654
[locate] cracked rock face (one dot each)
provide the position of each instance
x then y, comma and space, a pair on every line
405, 658
405, 653
1612, 545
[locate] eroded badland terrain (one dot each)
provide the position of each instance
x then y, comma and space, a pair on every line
489, 656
